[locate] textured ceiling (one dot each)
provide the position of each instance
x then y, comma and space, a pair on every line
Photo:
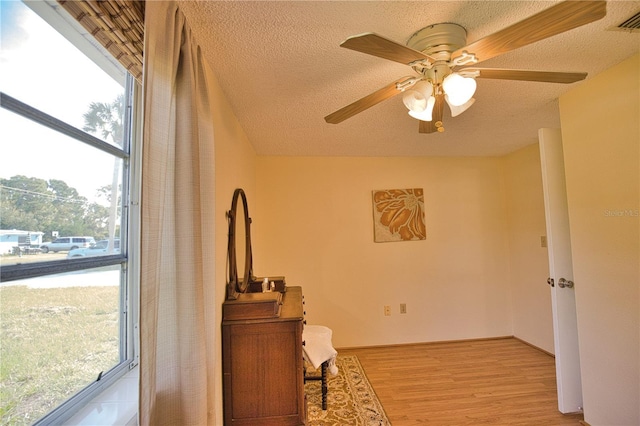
280, 65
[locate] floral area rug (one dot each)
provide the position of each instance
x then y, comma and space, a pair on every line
350, 398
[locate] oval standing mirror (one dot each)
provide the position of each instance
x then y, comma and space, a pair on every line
239, 246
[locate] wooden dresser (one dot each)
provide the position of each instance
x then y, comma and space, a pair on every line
262, 364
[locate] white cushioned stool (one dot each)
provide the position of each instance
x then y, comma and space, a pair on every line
319, 352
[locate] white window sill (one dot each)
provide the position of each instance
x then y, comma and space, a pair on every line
117, 405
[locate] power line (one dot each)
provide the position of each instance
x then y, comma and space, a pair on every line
39, 194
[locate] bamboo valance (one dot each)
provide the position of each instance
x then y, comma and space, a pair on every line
116, 24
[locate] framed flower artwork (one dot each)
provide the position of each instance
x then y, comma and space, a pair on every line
398, 215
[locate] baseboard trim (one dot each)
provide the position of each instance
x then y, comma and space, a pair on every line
535, 347
436, 342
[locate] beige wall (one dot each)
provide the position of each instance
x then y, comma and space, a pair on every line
528, 261
481, 271
313, 223
235, 165
601, 138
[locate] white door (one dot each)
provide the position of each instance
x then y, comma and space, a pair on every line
565, 327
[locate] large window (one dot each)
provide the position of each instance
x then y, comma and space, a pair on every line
68, 219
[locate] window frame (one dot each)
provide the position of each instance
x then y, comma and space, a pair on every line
127, 258
33, 270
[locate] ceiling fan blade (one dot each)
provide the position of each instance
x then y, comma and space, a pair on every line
376, 45
435, 125
555, 20
368, 101
527, 75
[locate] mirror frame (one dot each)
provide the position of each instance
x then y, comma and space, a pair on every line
234, 285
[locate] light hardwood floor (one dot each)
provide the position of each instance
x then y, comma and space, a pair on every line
481, 382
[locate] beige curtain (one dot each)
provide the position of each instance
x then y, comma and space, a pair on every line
177, 312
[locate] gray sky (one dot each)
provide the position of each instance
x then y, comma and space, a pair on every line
40, 67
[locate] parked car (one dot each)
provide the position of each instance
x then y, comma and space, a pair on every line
67, 243
100, 248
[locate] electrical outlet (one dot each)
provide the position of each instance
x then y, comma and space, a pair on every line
387, 310
403, 308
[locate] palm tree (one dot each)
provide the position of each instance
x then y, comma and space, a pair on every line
107, 121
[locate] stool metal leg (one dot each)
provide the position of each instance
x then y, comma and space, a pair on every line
323, 378
324, 385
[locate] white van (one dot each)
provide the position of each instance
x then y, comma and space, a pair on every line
67, 243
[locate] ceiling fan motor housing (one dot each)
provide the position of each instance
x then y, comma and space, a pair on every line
438, 41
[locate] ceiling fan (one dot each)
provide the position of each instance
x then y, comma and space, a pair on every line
445, 64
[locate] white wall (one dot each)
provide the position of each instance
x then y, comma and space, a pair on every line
313, 223
601, 139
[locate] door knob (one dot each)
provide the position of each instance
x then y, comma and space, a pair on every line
562, 283
550, 282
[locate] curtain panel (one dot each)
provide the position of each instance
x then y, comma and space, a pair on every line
177, 295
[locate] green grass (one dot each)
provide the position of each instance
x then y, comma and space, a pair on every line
53, 343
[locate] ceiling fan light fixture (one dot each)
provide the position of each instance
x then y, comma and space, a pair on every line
458, 109
459, 89
416, 99
427, 113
